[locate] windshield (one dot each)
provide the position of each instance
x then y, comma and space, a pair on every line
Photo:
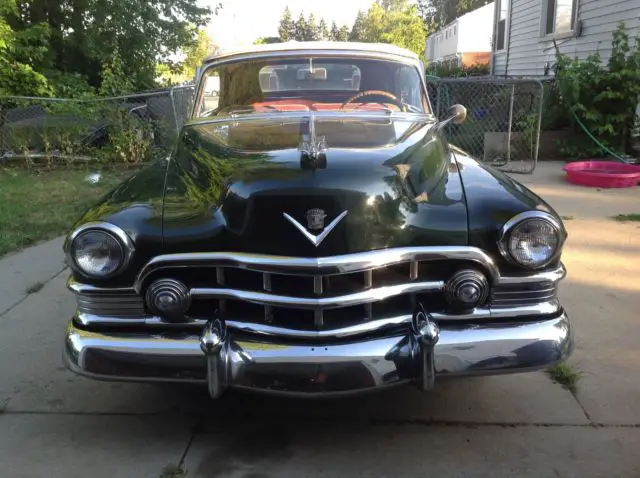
311, 84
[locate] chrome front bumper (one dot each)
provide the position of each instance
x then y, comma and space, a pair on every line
223, 360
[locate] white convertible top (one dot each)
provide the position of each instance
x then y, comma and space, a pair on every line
325, 46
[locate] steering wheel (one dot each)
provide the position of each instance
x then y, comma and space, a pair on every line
371, 93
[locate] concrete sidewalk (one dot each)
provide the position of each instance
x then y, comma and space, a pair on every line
58, 425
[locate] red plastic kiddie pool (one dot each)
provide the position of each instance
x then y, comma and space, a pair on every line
603, 174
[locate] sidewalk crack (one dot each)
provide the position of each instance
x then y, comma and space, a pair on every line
24, 297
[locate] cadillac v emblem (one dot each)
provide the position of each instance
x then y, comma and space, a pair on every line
315, 222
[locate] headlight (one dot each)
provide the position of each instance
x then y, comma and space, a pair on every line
532, 239
99, 250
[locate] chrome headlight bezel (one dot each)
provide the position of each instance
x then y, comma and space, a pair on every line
115, 232
522, 218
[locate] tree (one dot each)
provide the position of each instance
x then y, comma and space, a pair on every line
67, 38
334, 34
343, 34
267, 40
196, 52
287, 28
114, 81
19, 52
358, 32
313, 32
301, 28
323, 30
438, 13
391, 21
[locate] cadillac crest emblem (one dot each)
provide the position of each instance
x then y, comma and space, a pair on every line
315, 219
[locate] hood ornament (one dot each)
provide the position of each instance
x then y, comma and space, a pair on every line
313, 148
315, 222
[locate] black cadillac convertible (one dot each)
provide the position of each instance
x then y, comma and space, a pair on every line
315, 233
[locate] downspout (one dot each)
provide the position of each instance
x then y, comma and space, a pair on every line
492, 66
508, 39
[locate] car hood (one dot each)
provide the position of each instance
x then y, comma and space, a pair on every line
231, 182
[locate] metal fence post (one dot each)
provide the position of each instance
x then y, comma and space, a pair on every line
510, 120
539, 127
175, 112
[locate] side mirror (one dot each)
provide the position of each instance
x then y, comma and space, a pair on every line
457, 114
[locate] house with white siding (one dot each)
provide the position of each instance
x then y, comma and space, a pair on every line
524, 32
466, 40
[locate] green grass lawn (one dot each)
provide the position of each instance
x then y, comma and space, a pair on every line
39, 205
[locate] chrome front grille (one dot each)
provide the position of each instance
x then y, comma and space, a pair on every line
310, 301
320, 297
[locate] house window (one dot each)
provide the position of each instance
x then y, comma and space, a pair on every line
501, 28
455, 29
560, 16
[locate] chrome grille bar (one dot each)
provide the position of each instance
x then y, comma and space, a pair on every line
332, 265
546, 308
220, 281
371, 295
266, 285
413, 271
368, 284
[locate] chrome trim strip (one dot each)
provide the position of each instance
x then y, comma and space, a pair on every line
116, 232
330, 265
372, 52
79, 288
526, 216
357, 298
543, 308
372, 363
553, 276
506, 294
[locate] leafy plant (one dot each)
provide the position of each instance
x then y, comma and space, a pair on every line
114, 80
529, 132
453, 69
603, 97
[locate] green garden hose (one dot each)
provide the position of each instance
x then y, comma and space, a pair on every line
611, 153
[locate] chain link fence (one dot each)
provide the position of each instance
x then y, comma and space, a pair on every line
502, 126
503, 118
131, 129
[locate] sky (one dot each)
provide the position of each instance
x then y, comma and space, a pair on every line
240, 22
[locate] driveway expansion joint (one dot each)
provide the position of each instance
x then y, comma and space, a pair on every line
202, 427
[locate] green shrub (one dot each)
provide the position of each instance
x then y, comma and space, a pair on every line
602, 97
452, 69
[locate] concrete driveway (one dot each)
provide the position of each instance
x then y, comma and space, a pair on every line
55, 424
